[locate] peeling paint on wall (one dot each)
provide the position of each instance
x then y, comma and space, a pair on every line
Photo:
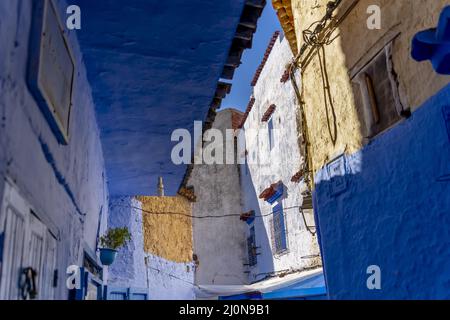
269, 165
167, 229
354, 47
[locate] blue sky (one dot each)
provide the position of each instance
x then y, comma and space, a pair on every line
241, 90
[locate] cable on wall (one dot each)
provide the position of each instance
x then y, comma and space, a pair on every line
203, 217
315, 37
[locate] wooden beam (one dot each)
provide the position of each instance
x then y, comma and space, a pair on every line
228, 72
256, 3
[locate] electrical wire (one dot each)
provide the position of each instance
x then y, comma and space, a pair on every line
315, 37
173, 276
204, 217
327, 94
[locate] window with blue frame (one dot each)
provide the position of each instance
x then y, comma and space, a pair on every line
251, 247
279, 229
271, 133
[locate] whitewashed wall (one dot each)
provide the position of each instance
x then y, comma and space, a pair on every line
219, 243
128, 270
281, 163
134, 268
170, 280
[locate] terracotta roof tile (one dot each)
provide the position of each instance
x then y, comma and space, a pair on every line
266, 56
286, 17
247, 111
268, 113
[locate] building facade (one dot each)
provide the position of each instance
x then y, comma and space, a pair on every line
218, 234
79, 137
281, 237
252, 221
53, 195
378, 144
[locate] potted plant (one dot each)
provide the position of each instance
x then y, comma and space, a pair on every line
110, 242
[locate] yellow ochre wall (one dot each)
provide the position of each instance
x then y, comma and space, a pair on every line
167, 232
355, 44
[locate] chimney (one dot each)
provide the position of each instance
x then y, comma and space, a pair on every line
160, 187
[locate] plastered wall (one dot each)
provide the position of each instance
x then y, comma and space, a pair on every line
219, 243
266, 167
128, 270
167, 229
356, 44
392, 213
158, 257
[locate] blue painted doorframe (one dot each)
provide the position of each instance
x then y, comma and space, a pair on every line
104, 292
117, 293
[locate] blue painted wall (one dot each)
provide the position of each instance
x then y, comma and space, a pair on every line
394, 212
153, 66
128, 270
66, 185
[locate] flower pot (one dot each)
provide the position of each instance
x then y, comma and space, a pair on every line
107, 256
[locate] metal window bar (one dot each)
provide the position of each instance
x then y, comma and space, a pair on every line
279, 230
251, 247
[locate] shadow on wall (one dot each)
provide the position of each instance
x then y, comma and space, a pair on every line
265, 263
388, 204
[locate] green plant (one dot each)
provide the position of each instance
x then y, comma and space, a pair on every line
115, 238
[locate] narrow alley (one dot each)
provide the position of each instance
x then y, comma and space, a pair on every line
227, 150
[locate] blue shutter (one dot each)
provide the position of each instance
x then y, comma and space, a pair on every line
278, 193
271, 140
279, 228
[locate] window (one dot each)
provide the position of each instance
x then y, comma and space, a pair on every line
51, 77
271, 134
376, 94
251, 247
278, 230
